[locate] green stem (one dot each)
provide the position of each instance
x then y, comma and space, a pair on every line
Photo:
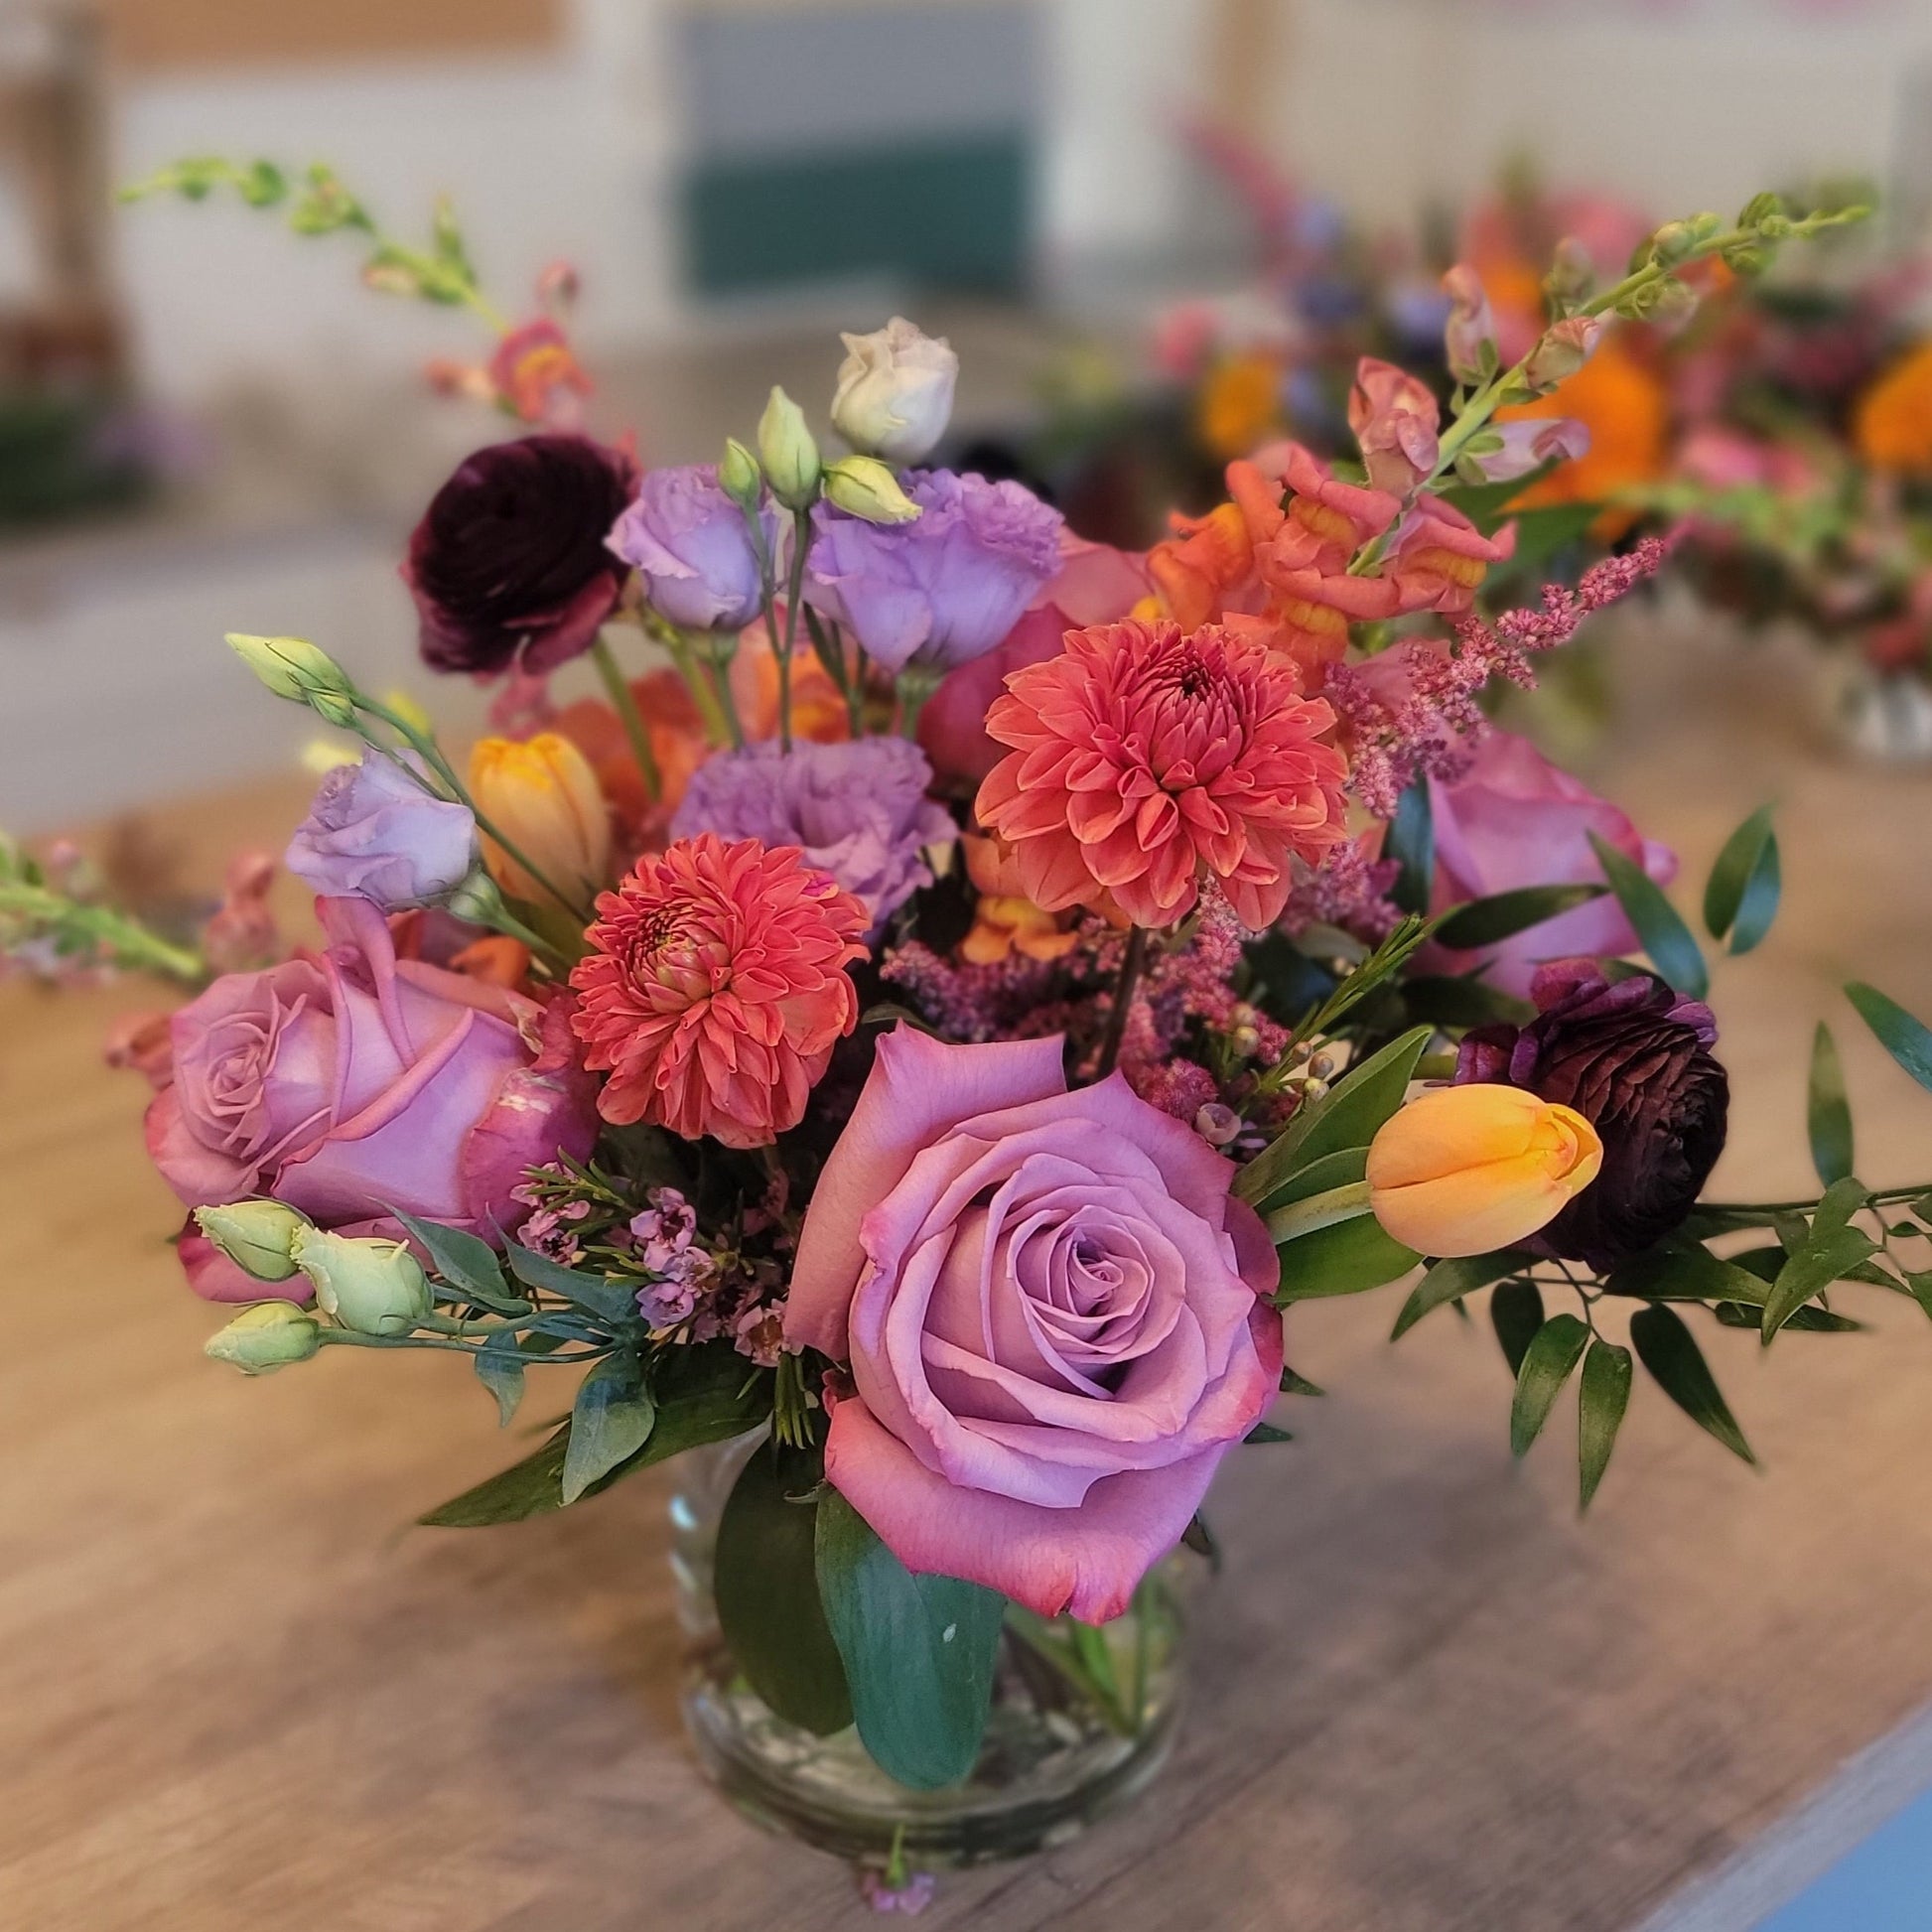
625, 702
801, 542
1132, 958
1317, 1211
125, 938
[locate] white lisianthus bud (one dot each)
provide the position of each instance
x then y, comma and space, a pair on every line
894, 394
864, 486
376, 1287
265, 1337
739, 476
292, 668
788, 452
256, 1235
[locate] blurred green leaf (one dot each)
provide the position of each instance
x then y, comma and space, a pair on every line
1676, 1363
1462, 1000
1744, 852
1516, 1313
1602, 1395
1902, 1036
499, 1368
1666, 938
1483, 922
1828, 1115
1554, 1351
1411, 842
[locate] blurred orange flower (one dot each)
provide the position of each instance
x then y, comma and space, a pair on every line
545, 798
1239, 405
1621, 400
1892, 423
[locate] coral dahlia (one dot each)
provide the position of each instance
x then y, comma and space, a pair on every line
1143, 758
716, 987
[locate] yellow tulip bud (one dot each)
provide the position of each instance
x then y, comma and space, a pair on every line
1465, 1171
544, 796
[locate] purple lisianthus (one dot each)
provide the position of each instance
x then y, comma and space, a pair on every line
690, 544
858, 809
1633, 1058
945, 588
373, 832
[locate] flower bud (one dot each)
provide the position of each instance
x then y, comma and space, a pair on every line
256, 1235
1572, 274
1465, 1171
292, 668
376, 1287
739, 476
789, 455
265, 1337
1673, 241
1469, 334
1566, 347
542, 794
476, 899
894, 394
864, 487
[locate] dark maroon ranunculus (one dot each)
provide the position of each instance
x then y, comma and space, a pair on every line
1633, 1058
508, 564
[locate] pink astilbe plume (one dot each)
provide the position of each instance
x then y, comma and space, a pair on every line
1144, 760
716, 989
1414, 709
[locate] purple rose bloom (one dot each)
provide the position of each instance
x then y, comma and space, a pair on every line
1633, 1059
374, 833
508, 566
859, 811
945, 588
689, 542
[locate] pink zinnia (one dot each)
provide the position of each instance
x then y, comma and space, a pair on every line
1142, 758
716, 989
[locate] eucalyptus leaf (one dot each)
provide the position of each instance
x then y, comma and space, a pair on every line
1666, 938
465, 1261
765, 1581
1484, 921
1902, 1036
919, 1651
1828, 1114
1516, 1314
1676, 1363
1602, 1395
1450, 1281
499, 1368
610, 1422
1554, 1351
609, 1301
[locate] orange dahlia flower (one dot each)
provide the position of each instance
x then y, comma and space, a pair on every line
716, 989
1143, 759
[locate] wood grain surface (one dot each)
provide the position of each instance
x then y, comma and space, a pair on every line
238, 1694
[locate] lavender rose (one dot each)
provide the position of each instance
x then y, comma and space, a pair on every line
373, 832
354, 1084
1633, 1059
858, 809
1055, 1314
508, 566
945, 588
689, 543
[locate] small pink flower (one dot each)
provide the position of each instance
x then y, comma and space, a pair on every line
1439, 557
1395, 419
1472, 325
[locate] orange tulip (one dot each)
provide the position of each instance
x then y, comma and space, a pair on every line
1465, 1171
544, 795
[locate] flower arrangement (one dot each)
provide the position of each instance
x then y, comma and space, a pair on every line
930, 1034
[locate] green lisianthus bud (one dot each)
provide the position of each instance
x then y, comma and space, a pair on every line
256, 1235
739, 476
292, 668
864, 486
376, 1287
477, 898
265, 1337
788, 452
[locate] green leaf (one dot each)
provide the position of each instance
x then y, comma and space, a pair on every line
1292, 1384
1554, 1349
1450, 1281
464, 1262
1762, 891
1411, 843
1345, 1258
1902, 1036
527, 1488
1604, 1393
499, 1368
1516, 1314
1831, 1246
1340, 1170
1542, 533
1676, 1363
1199, 1537
765, 1579
1742, 855
1266, 1431
1687, 1273
919, 1651
1348, 1115
1828, 1115
1486, 505
1462, 1000
1666, 938
1810, 1321
609, 1301
610, 1422
1483, 922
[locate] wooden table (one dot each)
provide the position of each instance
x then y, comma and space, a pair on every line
238, 1694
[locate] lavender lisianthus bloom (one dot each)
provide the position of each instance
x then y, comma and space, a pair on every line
941, 590
690, 544
373, 832
1633, 1058
859, 811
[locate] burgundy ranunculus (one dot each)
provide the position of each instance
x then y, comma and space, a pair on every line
1633, 1058
508, 566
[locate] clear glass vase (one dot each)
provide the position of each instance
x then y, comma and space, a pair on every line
1082, 1719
